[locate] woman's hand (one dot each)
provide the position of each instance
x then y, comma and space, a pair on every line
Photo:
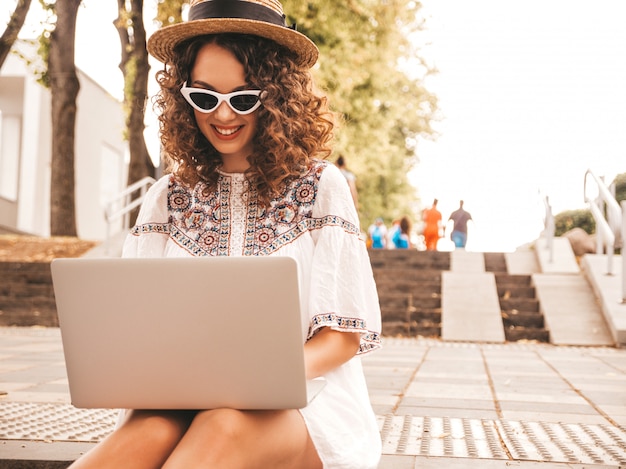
329, 349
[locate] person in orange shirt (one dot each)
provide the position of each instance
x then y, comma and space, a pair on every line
432, 227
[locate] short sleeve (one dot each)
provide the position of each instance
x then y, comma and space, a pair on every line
343, 292
150, 233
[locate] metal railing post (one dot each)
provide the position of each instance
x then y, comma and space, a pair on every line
607, 231
549, 229
112, 216
623, 254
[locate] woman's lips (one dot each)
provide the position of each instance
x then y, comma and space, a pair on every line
227, 133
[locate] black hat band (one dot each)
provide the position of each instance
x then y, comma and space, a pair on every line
235, 9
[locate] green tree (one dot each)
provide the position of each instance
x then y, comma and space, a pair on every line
384, 110
170, 12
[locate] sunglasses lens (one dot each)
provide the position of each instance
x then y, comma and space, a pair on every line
244, 102
203, 101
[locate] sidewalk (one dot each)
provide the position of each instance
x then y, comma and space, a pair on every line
439, 404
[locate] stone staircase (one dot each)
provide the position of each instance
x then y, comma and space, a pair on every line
409, 286
26, 295
521, 313
409, 290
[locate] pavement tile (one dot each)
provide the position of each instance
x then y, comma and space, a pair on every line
615, 398
437, 401
556, 407
453, 412
457, 391
540, 416
39, 397
397, 462
561, 396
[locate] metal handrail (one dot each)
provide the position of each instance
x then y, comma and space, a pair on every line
610, 230
548, 231
127, 205
623, 204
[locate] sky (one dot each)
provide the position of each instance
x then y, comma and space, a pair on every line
531, 95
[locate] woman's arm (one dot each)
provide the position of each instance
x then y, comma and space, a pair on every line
329, 349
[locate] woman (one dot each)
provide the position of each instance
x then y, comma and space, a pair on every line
402, 236
246, 136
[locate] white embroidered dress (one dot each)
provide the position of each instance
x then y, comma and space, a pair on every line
314, 222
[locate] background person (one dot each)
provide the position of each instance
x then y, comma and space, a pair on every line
350, 177
459, 217
377, 234
432, 226
391, 233
248, 178
402, 237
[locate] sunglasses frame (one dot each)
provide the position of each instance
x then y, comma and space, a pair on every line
186, 91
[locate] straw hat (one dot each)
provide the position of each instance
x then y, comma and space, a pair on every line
263, 18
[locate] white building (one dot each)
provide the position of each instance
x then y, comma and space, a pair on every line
101, 153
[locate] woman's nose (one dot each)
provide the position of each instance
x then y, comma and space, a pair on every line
224, 111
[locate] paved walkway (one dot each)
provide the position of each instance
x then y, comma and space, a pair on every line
439, 404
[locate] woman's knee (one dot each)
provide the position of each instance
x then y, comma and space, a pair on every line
161, 427
223, 424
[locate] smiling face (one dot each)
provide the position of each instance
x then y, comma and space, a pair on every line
230, 133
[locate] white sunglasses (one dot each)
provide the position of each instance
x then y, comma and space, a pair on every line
206, 101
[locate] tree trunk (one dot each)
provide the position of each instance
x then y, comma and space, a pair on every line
13, 28
64, 87
135, 67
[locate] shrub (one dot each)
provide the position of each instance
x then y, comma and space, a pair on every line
620, 187
565, 221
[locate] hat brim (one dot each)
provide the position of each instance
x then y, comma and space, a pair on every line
162, 42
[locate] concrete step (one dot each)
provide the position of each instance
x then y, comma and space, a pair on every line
387, 274
405, 285
504, 279
399, 301
35, 311
411, 329
515, 334
27, 295
495, 262
520, 304
409, 258
409, 290
521, 319
521, 314
513, 291
432, 315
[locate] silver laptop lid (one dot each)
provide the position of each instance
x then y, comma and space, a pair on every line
195, 333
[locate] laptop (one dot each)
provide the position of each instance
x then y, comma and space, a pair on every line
182, 333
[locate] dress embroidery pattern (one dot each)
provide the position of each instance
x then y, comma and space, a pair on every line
369, 340
230, 221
